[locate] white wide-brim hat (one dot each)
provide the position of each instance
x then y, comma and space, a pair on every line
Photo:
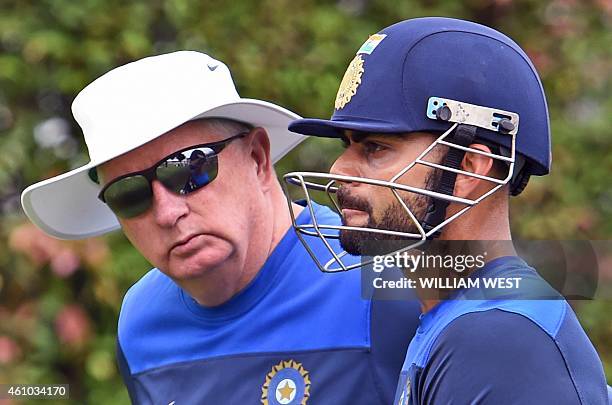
132, 105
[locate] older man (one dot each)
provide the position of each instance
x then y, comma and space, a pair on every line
234, 311
443, 120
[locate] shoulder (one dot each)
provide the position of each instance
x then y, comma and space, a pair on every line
148, 308
154, 282
515, 357
317, 233
150, 291
484, 331
322, 213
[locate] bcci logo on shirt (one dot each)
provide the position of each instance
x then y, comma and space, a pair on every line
287, 383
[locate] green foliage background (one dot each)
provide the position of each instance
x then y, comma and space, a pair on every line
59, 301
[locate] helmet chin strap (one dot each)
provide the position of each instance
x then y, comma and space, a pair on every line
463, 135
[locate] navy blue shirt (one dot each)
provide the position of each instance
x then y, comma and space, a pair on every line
501, 351
293, 334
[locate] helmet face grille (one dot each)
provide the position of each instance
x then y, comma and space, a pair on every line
329, 184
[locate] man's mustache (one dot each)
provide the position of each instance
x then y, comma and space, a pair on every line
347, 201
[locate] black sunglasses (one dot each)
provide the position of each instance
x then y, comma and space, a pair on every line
182, 172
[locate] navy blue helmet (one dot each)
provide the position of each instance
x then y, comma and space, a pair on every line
407, 63
462, 81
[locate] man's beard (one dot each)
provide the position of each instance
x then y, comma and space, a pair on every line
394, 218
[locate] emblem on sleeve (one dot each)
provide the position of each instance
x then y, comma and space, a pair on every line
288, 383
350, 82
405, 397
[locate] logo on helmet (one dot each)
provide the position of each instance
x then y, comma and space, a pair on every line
350, 82
371, 44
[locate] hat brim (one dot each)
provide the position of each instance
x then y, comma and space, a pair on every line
273, 118
67, 206
335, 128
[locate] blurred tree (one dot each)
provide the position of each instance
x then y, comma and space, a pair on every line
59, 301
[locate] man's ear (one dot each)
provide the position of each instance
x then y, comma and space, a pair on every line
260, 153
465, 186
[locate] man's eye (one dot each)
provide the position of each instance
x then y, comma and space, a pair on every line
372, 147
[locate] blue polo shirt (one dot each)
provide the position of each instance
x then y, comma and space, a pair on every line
505, 350
293, 335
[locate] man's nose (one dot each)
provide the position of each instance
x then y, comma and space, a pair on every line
168, 207
345, 165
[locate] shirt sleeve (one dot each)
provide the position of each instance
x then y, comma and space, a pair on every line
124, 369
496, 357
392, 324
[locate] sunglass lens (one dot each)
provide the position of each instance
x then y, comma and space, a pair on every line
203, 169
173, 175
129, 197
187, 175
